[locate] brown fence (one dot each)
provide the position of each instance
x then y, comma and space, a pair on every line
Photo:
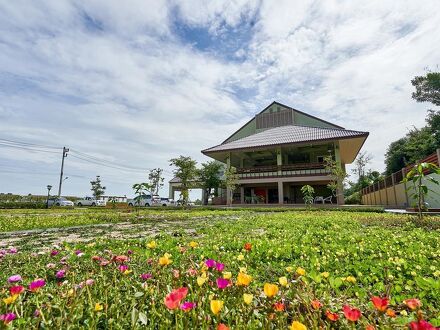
390, 190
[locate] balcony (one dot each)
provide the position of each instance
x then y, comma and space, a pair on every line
290, 170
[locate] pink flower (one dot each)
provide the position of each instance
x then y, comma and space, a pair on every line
14, 278
60, 274
37, 313
146, 276
7, 318
222, 283
210, 263
54, 253
78, 252
187, 306
50, 265
12, 250
220, 266
176, 273
90, 282
192, 272
130, 252
123, 268
36, 285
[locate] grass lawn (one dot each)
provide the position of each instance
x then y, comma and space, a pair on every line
119, 274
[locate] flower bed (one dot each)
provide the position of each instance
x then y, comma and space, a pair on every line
276, 271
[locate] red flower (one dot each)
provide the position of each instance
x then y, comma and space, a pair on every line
370, 327
331, 316
351, 314
316, 304
278, 306
222, 326
379, 303
14, 290
248, 246
421, 325
413, 303
173, 299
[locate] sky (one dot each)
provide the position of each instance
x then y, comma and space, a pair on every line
136, 83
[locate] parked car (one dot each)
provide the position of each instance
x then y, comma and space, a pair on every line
90, 201
59, 201
167, 202
144, 200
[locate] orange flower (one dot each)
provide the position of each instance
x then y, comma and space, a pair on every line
331, 316
351, 314
121, 259
379, 303
391, 313
316, 304
278, 306
248, 246
370, 327
412, 303
222, 326
270, 290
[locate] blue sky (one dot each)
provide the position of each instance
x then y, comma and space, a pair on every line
139, 83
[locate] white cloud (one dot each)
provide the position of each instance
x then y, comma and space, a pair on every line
117, 82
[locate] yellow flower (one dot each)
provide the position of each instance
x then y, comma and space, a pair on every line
283, 281
201, 280
227, 275
297, 326
300, 271
270, 290
10, 299
351, 279
152, 245
98, 307
128, 271
243, 269
216, 306
71, 292
165, 260
289, 269
248, 298
240, 257
243, 279
325, 274
193, 244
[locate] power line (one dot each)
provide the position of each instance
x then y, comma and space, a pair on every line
26, 148
28, 144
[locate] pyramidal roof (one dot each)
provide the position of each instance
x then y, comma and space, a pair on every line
284, 135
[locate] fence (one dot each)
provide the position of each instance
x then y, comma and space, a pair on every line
390, 191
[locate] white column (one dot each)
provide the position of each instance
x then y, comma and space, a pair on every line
280, 192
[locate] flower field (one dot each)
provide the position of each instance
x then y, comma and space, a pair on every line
286, 270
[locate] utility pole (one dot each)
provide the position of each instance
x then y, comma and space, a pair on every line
65, 151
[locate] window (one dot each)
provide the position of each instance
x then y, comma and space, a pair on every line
320, 159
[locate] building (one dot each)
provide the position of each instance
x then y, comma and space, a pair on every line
280, 150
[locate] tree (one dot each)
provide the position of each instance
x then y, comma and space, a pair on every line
308, 193
210, 176
156, 180
139, 189
337, 175
361, 162
231, 183
427, 88
186, 171
97, 188
419, 190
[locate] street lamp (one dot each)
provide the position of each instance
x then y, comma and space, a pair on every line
49, 187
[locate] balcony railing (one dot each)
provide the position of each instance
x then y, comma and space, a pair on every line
290, 170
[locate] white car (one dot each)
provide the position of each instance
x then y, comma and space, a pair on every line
144, 200
59, 201
90, 201
167, 202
